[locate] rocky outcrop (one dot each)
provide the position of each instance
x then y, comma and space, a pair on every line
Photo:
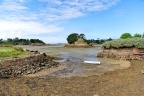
29, 65
123, 53
79, 43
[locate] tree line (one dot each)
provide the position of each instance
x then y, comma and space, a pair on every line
72, 38
17, 41
128, 35
126, 40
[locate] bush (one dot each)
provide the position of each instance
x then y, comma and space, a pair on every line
137, 35
125, 36
124, 43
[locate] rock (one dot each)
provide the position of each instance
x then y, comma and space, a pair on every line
142, 71
42, 77
28, 65
120, 54
28, 72
42, 64
79, 43
96, 95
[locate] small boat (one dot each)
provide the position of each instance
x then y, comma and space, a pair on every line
92, 62
138, 53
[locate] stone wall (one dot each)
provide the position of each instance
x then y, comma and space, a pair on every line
123, 53
29, 65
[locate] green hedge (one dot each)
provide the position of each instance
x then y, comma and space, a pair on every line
124, 43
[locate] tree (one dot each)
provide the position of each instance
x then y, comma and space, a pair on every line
82, 36
125, 36
72, 38
9, 41
16, 41
137, 35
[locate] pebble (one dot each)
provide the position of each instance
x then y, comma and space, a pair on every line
142, 71
96, 95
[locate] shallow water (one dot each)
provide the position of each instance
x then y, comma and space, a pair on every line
72, 63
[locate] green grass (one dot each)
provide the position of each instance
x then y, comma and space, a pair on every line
11, 52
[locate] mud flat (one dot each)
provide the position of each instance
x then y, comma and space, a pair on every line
121, 82
73, 64
125, 82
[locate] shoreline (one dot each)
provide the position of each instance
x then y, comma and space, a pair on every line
121, 82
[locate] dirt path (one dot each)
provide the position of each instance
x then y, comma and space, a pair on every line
122, 82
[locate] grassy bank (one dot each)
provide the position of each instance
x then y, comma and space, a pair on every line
11, 52
124, 43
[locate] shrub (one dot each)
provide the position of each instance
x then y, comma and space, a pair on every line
124, 43
125, 36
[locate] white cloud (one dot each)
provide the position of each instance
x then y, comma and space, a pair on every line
53, 10
20, 29
68, 9
22, 18
10, 5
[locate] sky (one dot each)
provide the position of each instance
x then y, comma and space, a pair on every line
53, 20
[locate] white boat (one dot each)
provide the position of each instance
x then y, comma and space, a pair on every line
92, 62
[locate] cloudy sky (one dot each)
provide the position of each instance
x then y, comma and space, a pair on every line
53, 20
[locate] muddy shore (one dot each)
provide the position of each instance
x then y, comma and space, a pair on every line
122, 81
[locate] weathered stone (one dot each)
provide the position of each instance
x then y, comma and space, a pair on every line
29, 65
42, 64
142, 71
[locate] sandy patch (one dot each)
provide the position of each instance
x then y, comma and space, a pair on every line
122, 63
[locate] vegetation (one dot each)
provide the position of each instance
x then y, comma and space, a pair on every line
125, 36
17, 41
137, 35
72, 38
124, 43
98, 41
11, 52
